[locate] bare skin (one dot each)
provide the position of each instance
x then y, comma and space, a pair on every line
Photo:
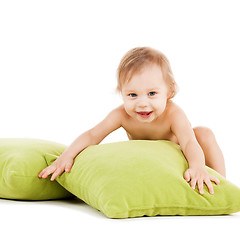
148, 114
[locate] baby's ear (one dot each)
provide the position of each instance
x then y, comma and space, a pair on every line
170, 90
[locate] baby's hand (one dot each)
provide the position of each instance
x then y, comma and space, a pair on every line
57, 167
200, 176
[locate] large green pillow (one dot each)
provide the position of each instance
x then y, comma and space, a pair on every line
140, 177
21, 160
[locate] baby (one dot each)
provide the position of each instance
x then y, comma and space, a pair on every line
147, 85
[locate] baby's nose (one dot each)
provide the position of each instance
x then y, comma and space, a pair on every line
143, 102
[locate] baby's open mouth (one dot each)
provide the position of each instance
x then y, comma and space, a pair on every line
145, 114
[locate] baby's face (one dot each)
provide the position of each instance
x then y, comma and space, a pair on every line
145, 96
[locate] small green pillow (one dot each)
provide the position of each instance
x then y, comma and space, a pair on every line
140, 177
21, 160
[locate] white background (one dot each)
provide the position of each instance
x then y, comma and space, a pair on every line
58, 62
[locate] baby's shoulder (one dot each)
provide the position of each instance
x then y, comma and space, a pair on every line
172, 107
174, 110
119, 112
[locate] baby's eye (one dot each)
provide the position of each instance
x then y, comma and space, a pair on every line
152, 93
132, 94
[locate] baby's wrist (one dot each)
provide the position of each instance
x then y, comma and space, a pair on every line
197, 166
67, 154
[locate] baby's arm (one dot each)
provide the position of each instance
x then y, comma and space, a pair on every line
197, 172
91, 137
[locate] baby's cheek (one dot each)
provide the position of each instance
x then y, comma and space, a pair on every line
128, 108
161, 108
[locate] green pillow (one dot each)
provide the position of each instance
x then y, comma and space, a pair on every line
21, 160
141, 177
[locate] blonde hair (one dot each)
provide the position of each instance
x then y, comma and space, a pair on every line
138, 58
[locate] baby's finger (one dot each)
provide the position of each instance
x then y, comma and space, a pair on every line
41, 173
68, 167
200, 186
50, 169
187, 176
209, 185
193, 183
214, 179
56, 173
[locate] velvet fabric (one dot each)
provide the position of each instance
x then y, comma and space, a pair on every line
21, 160
141, 177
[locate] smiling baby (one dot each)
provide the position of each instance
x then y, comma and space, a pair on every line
147, 86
